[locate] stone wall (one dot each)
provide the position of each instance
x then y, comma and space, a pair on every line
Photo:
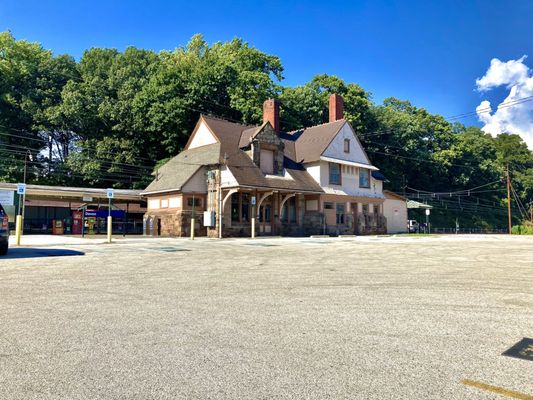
371, 224
178, 224
313, 224
269, 139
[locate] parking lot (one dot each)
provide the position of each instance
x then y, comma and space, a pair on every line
341, 318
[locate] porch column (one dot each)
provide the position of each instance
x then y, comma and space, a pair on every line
222, 205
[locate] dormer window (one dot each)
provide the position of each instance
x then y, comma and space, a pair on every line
267, 161
346, 145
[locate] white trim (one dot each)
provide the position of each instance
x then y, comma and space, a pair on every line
344, 162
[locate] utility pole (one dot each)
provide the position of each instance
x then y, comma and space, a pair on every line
509, 200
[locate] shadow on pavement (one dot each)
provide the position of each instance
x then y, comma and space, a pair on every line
29, 252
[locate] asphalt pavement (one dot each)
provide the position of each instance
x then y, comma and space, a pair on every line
343, 318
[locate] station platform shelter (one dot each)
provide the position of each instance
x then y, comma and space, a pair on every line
74, 210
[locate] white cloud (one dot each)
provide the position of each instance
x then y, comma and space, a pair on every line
513, 115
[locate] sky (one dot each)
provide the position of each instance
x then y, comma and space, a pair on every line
435, 54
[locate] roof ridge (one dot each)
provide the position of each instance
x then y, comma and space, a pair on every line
215, 117
316, 126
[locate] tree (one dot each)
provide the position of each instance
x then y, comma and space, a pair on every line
30, 87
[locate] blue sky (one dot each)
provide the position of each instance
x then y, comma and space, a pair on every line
429, 52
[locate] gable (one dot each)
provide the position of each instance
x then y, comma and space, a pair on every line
174, 174
336, 147
201, 136
267, 135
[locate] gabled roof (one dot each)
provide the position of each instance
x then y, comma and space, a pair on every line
312, 142
249, 134
178, 170
417, 204
305, 145
391, 195
231, 135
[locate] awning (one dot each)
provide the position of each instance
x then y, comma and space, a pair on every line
352, 163
417, 204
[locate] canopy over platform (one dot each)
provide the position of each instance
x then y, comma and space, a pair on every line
417, 204
75, 194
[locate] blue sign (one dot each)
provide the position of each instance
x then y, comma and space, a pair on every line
110, 193
105, 213
21, 188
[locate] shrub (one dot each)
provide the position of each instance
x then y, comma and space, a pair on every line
522, 230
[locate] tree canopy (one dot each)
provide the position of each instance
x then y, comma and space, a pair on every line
108, 118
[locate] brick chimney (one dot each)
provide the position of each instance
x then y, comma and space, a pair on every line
271, 113
336, 107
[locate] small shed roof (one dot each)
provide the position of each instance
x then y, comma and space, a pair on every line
417, 204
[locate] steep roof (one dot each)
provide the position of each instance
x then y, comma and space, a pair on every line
305, 145
391, 195
312, 142
178, 170
232, 135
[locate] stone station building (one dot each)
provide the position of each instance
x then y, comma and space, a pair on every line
315, 180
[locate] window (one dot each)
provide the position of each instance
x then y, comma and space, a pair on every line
376, 209
153, 204
267, 161
235, 207
340, 214
174, 202
265, 213
365, 208
328, 206
334, 174
288, 213
245, 207
196, 202
346, 145
364, 178
292, 209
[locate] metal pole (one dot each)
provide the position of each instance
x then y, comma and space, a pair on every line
83, 221
509, 202
253, 221
109, 223
24, 195
219, 212
192, 219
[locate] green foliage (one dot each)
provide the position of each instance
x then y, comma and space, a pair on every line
113, 117
307, 105
522, 230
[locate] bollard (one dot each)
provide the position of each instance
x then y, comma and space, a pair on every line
192, 228
18, 228
253, 227
109, 228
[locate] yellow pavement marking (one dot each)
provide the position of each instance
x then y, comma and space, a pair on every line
497, 390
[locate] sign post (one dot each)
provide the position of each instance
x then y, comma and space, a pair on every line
110, 195
253, 216
427, 219
21, 191
193, 222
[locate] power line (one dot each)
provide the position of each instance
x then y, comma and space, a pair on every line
510, 103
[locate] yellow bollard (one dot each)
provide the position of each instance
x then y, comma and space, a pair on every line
192, 228
253, 227
18, 228
109, 228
